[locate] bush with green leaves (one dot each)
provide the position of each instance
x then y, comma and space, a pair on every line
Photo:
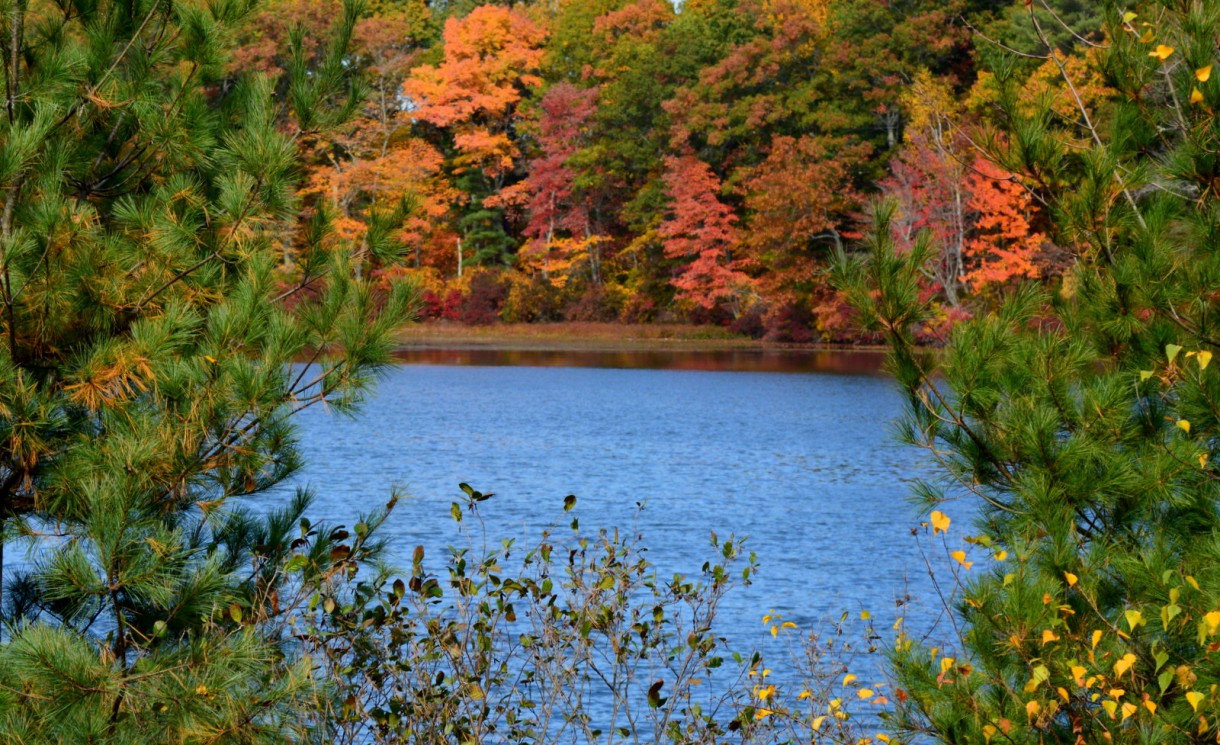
1080, 421
574, 637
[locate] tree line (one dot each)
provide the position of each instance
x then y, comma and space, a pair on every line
626, 160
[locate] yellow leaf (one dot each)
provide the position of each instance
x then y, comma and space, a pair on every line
1096, 638
1194, 697
883, 738
1078, 674
1202, 461
1124, 664
960, 556
762, 713
1063, 694
1032, 708
1202, 75
202, 690
1134, 618
1148, 36
1196, 96
1129, 709
1049, 636
1161, 52
1071, 579
1150, 706
1213, 622
1001, 555
804, 695
946, 664
1129, 16
1202, 725
849, 679
1110, 707
817, 723
865, 615
1145, 374
1193, 582
787, 625
1184, 426
774, 631
864, 693
989, 731
940, 522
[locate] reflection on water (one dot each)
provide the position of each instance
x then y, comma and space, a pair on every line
726, 360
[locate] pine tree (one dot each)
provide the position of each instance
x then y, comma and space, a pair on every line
1081, 423
151, 361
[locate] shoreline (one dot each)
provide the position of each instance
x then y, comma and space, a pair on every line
600, 337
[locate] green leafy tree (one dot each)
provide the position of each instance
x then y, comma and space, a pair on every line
151, 361
1080, 424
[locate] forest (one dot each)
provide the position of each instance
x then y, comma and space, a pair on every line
635, 162
217, 217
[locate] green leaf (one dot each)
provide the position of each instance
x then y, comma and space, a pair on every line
1165, 679
1171, 351
569, 502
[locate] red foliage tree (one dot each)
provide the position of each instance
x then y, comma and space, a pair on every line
559, 228
702, 230
978, 217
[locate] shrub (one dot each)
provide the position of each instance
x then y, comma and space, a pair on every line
573, 638
481, 306
531, 299
598, 304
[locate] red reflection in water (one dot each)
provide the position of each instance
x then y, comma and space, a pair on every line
846, 362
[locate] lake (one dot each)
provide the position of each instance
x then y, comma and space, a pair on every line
793, 450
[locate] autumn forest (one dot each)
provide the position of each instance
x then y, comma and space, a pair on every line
223, 483
629, 161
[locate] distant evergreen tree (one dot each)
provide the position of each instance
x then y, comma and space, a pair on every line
1082, 423
149, 366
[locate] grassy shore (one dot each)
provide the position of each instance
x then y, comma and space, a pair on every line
583, 336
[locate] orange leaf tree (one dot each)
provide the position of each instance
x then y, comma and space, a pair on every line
491, 58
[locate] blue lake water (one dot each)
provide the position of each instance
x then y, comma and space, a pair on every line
801, 461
